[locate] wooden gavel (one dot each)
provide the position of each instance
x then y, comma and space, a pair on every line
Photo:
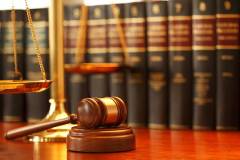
91, 113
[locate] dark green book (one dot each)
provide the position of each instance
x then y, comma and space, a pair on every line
37, 103
97, 49
157, 47
180, 59
135, 34
115, 51
204, 64
76, 84
228, 68
14, 105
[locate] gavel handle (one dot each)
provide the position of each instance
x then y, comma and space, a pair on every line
23, 131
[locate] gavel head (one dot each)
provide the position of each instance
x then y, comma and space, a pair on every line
101, 112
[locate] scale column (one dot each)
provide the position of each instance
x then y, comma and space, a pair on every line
57, 101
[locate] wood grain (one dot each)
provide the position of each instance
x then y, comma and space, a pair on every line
101, 140
151, 144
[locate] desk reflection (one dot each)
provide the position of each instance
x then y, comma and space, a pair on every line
53, 151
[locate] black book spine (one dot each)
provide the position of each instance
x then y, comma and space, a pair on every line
14, 105
1, 62
115, 51
37, 104
157, 46
204, 64
228, 78
97, 49
135, 34
76, 84
180, 58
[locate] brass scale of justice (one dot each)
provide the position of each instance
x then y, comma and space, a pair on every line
98, 119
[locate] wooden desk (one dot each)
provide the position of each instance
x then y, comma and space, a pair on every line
151, 144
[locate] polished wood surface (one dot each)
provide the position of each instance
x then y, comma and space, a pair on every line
151, 144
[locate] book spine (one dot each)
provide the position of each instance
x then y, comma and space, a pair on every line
115, 51
204, 64
1, 62
97, 49
157, 40
228, 47
14, 105
180, 59
77, 85
135, 33
37, 104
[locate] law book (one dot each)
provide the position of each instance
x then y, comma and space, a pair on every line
135, 34
13, 105
76, 84
116, 49
157, 47
37, 103
228, 47
204, 64
180, 59
97, 49
1, 62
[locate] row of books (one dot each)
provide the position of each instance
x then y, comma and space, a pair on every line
24, 107
185, 56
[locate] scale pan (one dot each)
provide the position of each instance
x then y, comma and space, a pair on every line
89, 68
23, 86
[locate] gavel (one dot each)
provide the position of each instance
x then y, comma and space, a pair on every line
91, 113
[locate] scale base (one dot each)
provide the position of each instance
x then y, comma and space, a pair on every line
56, 134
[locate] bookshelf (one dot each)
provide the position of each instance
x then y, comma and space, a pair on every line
151, 143
205, 81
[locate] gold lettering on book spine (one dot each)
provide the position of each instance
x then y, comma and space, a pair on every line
201, 91
97, 12
228, 75
134, 10
178, 7
179, 58
76, 13
227, 5
155, 9
155, 58
179, 78
202, 6
157, 81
